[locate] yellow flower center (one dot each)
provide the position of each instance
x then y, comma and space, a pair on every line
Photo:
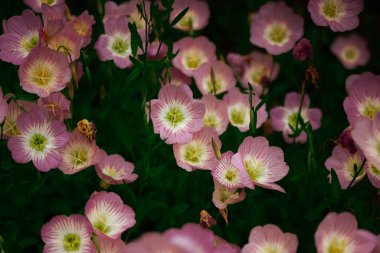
257, 75
193, 152
28, 43
330, 9
210, 120
71, 242
193, 61
80, 27
214, 88
230, 175
79, 156
238, 115
101, 224
350, 54
256, 169
120, 46
370, 108
42, 75
174, 116
278, 33
38, 142
48, 2
337, 245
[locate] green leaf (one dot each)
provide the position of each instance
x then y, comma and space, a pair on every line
135, 38
179, 16
134, 74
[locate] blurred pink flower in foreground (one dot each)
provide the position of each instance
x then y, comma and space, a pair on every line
196, 17
107, 245
216, 113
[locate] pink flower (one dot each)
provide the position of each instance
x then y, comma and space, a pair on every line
339, 15
193, 52
36, 5
78, 154
67, 234
224, 78
340, 233
352, 51
224, 196
133, 13
257, 68
83, 27
44, 71
222, 246
39, 140
115, 44
270, 238
176, 77
230, 172
67, 42
21, 36
197, 153
353, 78
57, 105
276, 28
114, 11
363, 99
196, 17
154, 50
238, 108
303, 50
152, 242
115, 170
107, 245
346, 141
283, 116
264, 164
175, 115
54, 19
343, 162
216, 113
108, 214
3, 106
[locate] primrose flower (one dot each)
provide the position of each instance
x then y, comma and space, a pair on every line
339, 15
224, 78
340, 233
152, 242
270, 238
83, 27
198, 153
134, 15
108, 214
78, 154
283, 116
39, 140
54, 20
3, 106
68, 234
363, 99
175, 115
196, 17
115, 44
67, 42
276, 28
238, 108
224, 196
21, 36
216, 113
108, 245
115, 170
57, 105
177, 78
264, 164
222, 246
193, 52
352, 51
36, 5
114, 11
257, 68
154, 50
230, 172
44, 71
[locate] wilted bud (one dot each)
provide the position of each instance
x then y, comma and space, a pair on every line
224, 213
346, 140
303, 50
206, 220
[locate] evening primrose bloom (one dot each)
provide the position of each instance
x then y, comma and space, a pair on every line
107, 245
276, 28
196, 18
198, 153
224, 196
67, 234
45, 71
338, 15
83, 27
216, 113
175, 115
109, 216
57, 105
67, 42
39, 140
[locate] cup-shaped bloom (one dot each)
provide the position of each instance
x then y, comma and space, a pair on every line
340, 233
196, 17
113, 11
282, 117
108, 214
152, 242
303, 50
238, 108
264, 164
114, 169
216, 113
193, 52
83, 27
276, 28
176, 115
224, 78
78, 154
67, 234
230, 172
3, 106
57, 105
36, 5
108, 245
21, 36
270, 238
344, 162
44, 71
338, 15
198, 153
352, 51
115, 44
40, 140
224, 196
191, 238
366, 134
363, 99
176, 77
67, 42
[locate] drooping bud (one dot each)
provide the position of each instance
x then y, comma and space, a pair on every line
303, 50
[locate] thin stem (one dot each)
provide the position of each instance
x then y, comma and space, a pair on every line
357, 173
